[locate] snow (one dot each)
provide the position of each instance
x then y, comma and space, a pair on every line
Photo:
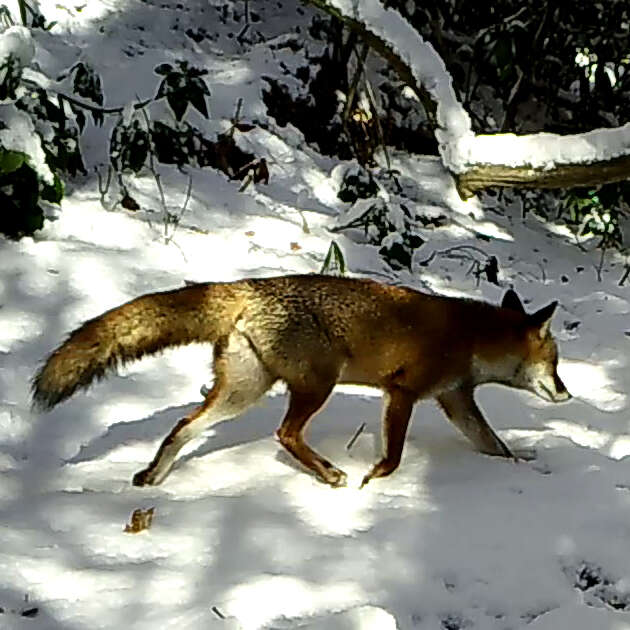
242, 537
19, 135
546, 150
17, 132
16, 41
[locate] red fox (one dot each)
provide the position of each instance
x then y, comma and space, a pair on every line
312, 332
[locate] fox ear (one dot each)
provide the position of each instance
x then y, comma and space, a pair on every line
542, 319
512, 301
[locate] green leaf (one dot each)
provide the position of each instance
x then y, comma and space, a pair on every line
129, 147
182, 87
198, 101
10, 77
87, 83
21, 214
163, 69
200, 84
79, 115
177, 104
334, 261
11, 160
53, 193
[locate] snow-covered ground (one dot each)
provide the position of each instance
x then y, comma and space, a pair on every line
241, 536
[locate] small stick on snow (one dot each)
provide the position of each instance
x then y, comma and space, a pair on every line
217, 612
357, 433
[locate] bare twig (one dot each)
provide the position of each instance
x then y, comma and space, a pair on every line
246, 182
188, 195
357, 433
158, 181
600, 266
95, 108
377, 122
240, 37
217, 612
454, 252
177, 219
352, 89
236, 117
156, 174
361, 59
181, 251
103, 189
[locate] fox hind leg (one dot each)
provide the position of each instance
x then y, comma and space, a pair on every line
240, 379
303, 405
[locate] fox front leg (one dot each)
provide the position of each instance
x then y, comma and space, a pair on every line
461, 409
398, 408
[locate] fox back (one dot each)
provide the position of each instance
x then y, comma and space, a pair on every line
364, 332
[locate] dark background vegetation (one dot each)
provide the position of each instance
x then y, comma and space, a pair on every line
517, 66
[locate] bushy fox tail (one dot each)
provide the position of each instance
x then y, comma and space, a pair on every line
148, 324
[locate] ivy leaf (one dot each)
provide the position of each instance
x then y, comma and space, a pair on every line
181, 87
178, 106
10, 76
129, 147
98, 118
79, 115
19, 195
53, 193
198, 98
87, 83
163, 69
11, 160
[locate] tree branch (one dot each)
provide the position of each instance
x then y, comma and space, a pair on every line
536, 160
561, 176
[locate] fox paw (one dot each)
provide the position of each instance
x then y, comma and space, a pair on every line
144, 477
380, 469
335, 478
525, 455
367, 478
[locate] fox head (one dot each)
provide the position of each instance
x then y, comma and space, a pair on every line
537, 371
